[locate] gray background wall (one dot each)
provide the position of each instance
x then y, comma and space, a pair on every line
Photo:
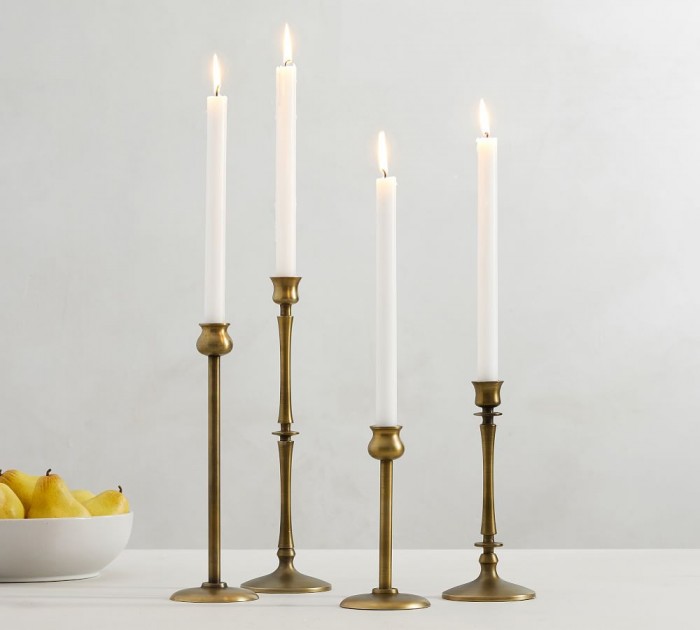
595, 105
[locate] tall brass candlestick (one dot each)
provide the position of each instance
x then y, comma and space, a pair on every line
488, 587
386, 446
214, 342
285, 578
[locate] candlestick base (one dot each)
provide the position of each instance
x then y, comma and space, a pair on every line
385, 599
209, 593
286, 579
489, 587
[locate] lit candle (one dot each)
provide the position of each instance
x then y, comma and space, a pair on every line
215, 222
487, 253
387, 380
286, 167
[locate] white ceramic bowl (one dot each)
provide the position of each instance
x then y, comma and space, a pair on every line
50, 549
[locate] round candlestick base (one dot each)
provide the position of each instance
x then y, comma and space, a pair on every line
286, 579
385, 601
209, 593
488, 587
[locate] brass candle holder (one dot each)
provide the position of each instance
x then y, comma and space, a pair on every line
214, 342
386, 446
285, 578
488, 587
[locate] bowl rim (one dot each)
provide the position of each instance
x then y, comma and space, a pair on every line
63, 519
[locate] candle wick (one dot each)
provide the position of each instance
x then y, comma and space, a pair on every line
216, 92
384, 172
288, 62
486, 134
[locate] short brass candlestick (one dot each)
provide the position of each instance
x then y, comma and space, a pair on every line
214, 342
488, 587
386, 446
285, 578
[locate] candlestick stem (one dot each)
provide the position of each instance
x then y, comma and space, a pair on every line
214, 470
488, 587
386, 446
214, 342
386, 499
286, 579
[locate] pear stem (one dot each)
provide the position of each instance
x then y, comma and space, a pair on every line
120, 490
48, 472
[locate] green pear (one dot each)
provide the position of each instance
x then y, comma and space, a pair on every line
108, 503
22, 485
10, 505
82, 496
52, 499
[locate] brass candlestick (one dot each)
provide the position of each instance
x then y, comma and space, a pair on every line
285, 578
488, 587
386, 446
214, 342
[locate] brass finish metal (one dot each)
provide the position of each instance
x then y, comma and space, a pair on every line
285, 578
214, 342
219, 593
386, 446
285, 290
488, 587
284, 325
487, 394
385, 601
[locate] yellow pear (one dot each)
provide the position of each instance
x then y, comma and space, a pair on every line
52, 499
82, 495
108, 503
22, 485
10, 505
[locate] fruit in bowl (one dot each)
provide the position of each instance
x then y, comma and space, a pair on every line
48, 532
48, 496
82, 495
10, 505
21, 484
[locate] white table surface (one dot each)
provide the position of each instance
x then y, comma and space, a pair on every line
586, 589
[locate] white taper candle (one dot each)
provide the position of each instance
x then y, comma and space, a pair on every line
286, 164
386, 325
487, 252
215, 221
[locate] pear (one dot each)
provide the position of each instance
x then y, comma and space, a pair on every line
10, 505
108, 503
52, 499
22, 485
82, 496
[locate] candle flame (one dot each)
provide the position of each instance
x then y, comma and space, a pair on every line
484, 117
216, 73
287, 55
382, 154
